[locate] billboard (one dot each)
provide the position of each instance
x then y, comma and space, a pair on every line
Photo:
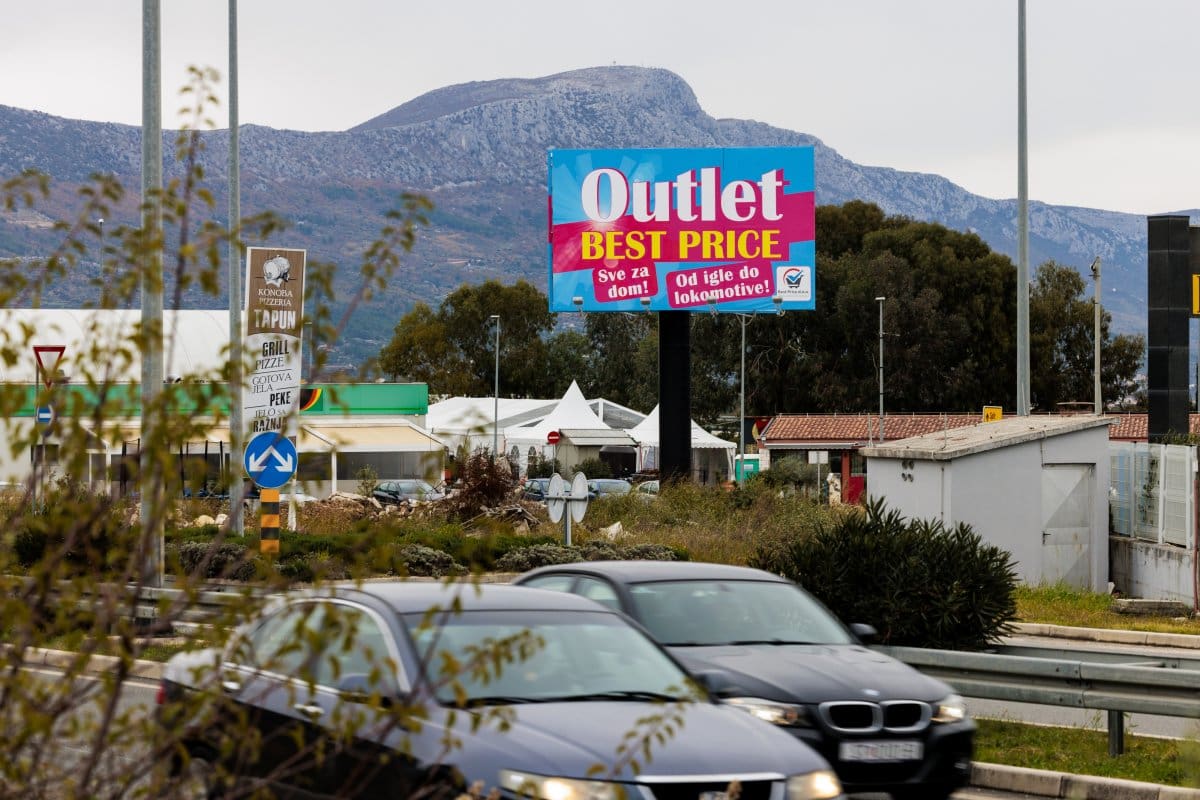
274, 332
726, 229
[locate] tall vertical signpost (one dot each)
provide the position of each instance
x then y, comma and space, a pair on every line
48, 357
271, 391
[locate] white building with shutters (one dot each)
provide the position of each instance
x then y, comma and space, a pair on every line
1036, 486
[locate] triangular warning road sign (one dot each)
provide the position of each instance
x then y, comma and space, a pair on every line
49, 371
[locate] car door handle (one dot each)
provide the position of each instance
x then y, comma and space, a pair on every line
309, 710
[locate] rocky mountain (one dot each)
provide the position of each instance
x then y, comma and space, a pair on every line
478, 151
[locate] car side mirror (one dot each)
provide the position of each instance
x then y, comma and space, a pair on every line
865, 632
718, 683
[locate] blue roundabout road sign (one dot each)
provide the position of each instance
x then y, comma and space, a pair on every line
270, 459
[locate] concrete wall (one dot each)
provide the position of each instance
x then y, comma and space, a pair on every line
1152, 571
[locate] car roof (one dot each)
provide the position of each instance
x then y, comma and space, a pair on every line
641, 571
407, 597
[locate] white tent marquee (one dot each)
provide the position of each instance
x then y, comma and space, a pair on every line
583, 433
712, 457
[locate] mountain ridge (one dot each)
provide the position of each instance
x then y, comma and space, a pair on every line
478, 150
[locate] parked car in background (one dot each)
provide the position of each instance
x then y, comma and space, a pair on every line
253, 498
406, 489
606, 486
882, 725
647, 489
329, 673
535, 489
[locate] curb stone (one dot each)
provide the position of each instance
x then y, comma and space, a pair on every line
1047, 783
1183, 640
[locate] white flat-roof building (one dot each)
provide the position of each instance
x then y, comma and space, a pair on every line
1035, 486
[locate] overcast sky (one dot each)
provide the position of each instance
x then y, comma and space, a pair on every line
921, 85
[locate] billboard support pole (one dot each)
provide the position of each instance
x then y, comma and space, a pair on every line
675, 395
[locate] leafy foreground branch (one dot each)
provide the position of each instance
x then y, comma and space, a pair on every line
397, 690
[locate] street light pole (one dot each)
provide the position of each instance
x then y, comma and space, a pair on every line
880, 301
149, 480
1096, 335
496, 392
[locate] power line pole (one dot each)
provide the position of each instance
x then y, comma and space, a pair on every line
150, 480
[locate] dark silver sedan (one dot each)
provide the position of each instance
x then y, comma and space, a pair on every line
422, 689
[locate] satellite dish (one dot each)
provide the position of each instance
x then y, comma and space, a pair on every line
556, 500
579, 496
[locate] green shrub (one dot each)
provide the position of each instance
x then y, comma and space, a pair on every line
541, 555
787, 472
593, 468
427, 562
538, 555
653, 552
30, 544
919, 583
367, 478
313, 566
79, 541
542, 467
599, 551
229, 560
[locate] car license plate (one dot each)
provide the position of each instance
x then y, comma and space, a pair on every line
903, 750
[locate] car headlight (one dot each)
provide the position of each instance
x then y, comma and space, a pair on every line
952, 708
787, 715
545, 787
820, 785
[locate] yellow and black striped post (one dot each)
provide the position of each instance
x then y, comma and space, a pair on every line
268, 539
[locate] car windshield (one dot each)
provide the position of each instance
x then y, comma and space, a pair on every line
708, 612
554, 656
610, 486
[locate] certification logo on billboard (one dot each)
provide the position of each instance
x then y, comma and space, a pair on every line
274, 325
729, 229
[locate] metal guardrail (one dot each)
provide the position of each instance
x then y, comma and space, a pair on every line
197, 607
146, 604
1102, 680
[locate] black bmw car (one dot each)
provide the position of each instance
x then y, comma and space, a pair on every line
395, 690
784, 657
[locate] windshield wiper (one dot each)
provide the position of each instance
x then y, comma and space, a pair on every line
768, 641
502, 700
620, 694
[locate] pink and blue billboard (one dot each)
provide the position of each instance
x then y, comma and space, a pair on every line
729, 229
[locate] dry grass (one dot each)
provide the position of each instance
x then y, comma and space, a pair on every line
710, 523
